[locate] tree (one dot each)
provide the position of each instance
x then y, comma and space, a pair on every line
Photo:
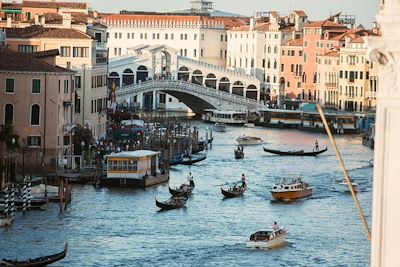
81, 135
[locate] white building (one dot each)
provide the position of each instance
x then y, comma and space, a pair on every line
256, 48
194, 36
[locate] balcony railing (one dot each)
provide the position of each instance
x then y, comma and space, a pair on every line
101, 60
370, 94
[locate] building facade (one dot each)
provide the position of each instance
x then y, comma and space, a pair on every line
328, 78
37, 100
79, 52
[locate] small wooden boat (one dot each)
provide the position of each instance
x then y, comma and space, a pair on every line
295, 153
239, 154
176, 160
267, 239
184, 189
291, 190
341, 185
172, 203
219, 127
40, 261
192, 159
249, 140
235, 191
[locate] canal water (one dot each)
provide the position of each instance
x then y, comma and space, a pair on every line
114, 227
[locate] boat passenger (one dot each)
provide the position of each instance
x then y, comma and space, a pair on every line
275, 226
243, 180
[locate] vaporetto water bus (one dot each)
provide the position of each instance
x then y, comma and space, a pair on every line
137, 169
310, 120
224, 116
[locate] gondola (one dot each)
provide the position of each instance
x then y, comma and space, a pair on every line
176, 160
231, 192
295, 153
192, 159
239, 154
40, 261
172, 203
186, 189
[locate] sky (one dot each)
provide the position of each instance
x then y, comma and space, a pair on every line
364, 10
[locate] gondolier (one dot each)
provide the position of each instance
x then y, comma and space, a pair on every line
316, 145
190, 179
243, 180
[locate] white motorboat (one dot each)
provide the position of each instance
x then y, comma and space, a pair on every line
219, 127
44, 191
249, 140
341, 185
371, 162
267, 239
6, 221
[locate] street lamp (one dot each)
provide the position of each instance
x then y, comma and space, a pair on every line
23, 158
82, 154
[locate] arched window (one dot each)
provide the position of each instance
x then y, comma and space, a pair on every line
35, 114
9, 114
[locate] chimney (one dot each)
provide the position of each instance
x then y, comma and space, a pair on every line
66, 20
90, 22
252, 24
347, 41
43, 20
36, 19
68, 65
336, 19
9, 22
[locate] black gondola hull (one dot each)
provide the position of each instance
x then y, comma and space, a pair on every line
232, 194
295, 153
40, 261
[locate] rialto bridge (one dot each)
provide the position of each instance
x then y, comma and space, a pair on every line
148, 73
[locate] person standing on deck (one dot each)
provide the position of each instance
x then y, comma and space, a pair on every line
243, 180
190, 179
316, 146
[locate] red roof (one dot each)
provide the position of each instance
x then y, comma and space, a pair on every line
51, 4
300, 13
228, 22
37, 31
294, 42
324, 23
17, 61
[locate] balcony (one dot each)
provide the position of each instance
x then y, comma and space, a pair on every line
101, 60
370, 94
332, 85
69, 127
101, 46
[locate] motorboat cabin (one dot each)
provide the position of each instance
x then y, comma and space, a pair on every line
267, 239
291, 189
138, 169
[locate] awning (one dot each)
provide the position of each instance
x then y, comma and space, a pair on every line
10, 11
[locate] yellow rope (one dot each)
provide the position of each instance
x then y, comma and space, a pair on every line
343, 168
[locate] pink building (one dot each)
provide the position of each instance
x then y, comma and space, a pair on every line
314, 34
292, 68
36, 98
